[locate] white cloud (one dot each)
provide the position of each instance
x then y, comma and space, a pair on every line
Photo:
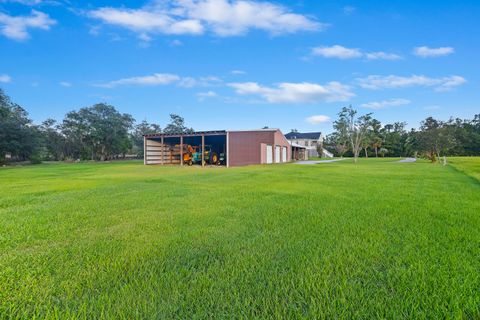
303, 92
143, 20
159, 79
337, 51
425, 52
238, 72
220, 17
65, 84
207, 94
156, 79
380, 55
449, 83
342, 52
17, 27
375, 82
24, 2
5, 78
318, 119
385, 103
204, 95
190, 82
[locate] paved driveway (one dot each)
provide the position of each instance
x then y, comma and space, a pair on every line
318, 161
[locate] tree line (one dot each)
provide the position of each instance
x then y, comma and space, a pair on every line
98, 132
365, 136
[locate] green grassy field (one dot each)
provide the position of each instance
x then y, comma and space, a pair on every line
467, 165
121, 241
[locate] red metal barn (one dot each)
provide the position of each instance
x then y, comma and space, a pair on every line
231, 148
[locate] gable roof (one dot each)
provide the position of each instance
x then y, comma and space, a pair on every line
304, 135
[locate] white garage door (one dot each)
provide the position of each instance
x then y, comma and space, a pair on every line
284, 154
277, 154
269, 154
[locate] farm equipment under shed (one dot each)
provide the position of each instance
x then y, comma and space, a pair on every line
193, 155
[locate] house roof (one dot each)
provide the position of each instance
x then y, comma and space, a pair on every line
304, 135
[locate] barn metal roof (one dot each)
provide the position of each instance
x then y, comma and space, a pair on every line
193, 134
200, 133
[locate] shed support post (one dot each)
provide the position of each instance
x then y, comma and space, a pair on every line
163, 151
181, 150
227, 153
144, 150
203, 150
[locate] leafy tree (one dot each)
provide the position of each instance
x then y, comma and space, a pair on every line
177, 125
339, 139
139, 131
376, 137
53, 140
99, 130
335, 144
393, 138
356, 128
433, 138
18, 136
383, 152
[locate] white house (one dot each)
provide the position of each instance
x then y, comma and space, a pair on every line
310, 140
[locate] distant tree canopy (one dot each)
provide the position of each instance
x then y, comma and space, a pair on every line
433, 139
139, 131
18, 136
100, 132
177, 125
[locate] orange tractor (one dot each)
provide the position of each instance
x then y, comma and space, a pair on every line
193, 155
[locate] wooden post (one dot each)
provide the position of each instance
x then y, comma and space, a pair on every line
227, 154
144, 150
163, 151
181, 150
203, 150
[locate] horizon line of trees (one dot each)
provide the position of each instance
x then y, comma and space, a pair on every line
100, 132
366, 136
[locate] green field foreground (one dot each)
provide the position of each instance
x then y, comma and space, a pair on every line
378, 239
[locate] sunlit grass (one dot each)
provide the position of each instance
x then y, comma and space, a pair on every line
468, 165
378, 239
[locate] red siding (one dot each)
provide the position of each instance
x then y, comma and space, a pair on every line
281, 141
249, 147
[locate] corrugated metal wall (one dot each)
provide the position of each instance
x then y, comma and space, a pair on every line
249, 147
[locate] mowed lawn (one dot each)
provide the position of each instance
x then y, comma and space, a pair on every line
378, 239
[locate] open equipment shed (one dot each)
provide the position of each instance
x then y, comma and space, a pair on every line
221, 147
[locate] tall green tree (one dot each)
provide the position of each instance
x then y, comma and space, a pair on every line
18, 136
139, 131
393, 138
356, 128
376, 137
434, 138
339, 139
53, 141
99, 131
177, 125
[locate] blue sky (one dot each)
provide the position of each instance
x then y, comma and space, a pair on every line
234, 64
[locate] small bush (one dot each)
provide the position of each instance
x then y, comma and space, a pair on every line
35, 159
